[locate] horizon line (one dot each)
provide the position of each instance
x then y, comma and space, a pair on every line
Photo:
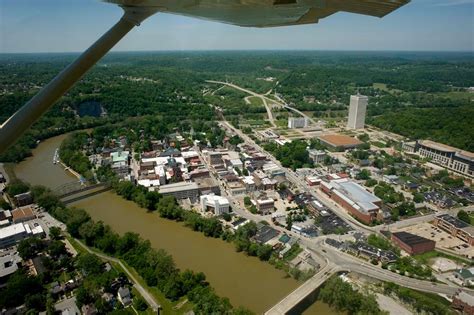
248, 50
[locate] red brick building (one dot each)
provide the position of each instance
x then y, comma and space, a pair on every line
354, 198
413, 244
455, 227
464, 302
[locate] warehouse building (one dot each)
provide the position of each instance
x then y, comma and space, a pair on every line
354, 198
413, 244
181, 190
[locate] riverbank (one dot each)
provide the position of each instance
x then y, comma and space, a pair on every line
244, 280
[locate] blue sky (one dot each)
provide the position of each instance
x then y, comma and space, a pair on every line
72, 25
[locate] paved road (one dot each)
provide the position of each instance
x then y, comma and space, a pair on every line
264, 97
333, 256
301, 292
144, 293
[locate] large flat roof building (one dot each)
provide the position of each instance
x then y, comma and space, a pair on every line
181, 190
12, 234
338, 141
354, 198
454, 159
357, 111
413, 244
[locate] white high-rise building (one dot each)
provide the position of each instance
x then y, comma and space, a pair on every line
297, 122
357, 110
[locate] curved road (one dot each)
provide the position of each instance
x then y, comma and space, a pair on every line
144, 293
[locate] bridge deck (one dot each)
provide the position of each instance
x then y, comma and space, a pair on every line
300, 293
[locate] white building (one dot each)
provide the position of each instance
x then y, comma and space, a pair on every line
317, 156
297, 122
357, 110
217, 204
13, 234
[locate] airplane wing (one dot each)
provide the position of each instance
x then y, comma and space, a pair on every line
267, 13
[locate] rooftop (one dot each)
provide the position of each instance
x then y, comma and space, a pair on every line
20, 213
9, 264
410, 239
265, 234
466, 273
466, 298
446, 148
12, 230
170, 188
120, 156
354, 193
453, 221
339, 140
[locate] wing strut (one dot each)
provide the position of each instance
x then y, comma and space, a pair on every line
20, 121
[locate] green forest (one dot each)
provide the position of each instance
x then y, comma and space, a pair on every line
419, 95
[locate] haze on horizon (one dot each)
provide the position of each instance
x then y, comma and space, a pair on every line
28, 26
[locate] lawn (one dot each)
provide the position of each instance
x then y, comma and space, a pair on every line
255, 101
426, 257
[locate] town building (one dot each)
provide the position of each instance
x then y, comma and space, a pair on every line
304, 230
464, 302
9, 264
249, 183
214, 158
339, 142
409, 147
13, 234
123, 295
455, 227
454, 159
120, 162
236, 188
23, 214
265, 233
413, 244
357, 111
266, 135
317, 156
181, 190
297, 122
207, 185
265, 206
23, 199
465, 276
354, 198
217, 204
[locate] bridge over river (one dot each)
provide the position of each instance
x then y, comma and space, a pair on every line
78, 190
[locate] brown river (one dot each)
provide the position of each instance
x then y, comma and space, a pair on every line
244, 280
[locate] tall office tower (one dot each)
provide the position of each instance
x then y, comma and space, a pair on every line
357, 110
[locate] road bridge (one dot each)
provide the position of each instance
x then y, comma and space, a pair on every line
75, 191
300, 293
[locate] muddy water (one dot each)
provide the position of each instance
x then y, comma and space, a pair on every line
244, 280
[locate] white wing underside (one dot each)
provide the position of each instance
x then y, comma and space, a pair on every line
267, 13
